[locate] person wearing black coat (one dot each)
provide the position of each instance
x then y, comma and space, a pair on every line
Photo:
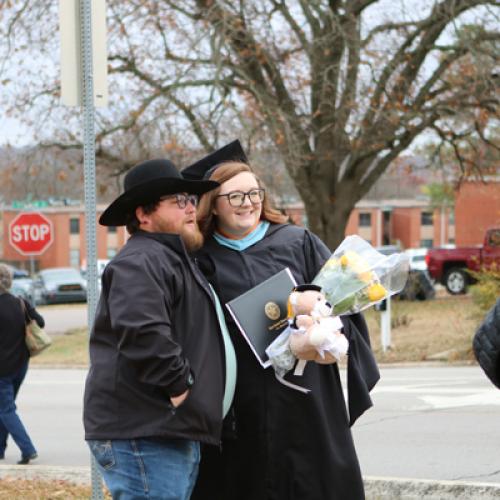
278, 443
486, 344
14, 360
155, 386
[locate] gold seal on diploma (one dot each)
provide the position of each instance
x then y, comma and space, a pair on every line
272, 310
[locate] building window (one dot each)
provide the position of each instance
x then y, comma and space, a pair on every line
74, 257
427, 219
74, 226
111, 253
365, 219
111, 229
428, 243
451, 217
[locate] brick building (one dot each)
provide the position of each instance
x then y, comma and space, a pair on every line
407, 223
68, 248
413, 223
477, 208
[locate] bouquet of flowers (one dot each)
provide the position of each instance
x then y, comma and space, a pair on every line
357, 276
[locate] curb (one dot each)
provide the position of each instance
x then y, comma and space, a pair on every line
382, 488
376, 488
396, 364
77, 475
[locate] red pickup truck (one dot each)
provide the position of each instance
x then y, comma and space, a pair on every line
449, 266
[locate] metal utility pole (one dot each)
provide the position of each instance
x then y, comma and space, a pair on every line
82, 26
90, 187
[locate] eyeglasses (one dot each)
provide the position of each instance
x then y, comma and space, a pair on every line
237, 198
182, 199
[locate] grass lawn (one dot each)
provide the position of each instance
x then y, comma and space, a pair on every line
69, 349
419, 331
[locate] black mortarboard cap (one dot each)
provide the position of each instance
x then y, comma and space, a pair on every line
204, 168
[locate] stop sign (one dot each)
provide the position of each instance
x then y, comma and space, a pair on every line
30, 233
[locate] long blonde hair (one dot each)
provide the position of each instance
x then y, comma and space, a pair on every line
221, 174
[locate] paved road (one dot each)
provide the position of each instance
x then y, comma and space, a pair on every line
60, 318
50, 404
434, 423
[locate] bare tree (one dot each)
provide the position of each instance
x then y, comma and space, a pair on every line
339, 87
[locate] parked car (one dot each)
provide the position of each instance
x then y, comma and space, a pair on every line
417, 258
22, 284
60, 285
23, 287
388, 249
17, 272
450, 266
419, 285
101, 264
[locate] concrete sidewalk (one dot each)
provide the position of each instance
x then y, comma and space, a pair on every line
377, 488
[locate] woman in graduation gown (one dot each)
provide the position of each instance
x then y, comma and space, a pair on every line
278, 443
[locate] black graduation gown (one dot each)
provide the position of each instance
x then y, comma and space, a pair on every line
281, 444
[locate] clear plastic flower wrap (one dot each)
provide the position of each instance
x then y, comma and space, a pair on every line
357, 276
280, 354
312, 334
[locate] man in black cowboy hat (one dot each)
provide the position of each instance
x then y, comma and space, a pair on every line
155, 386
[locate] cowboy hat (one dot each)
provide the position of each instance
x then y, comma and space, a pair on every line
145, 183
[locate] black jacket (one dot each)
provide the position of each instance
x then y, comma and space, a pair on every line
155, 324
13, 350
486, 344
286, 445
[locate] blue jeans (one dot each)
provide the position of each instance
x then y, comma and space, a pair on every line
10, 423
148, 468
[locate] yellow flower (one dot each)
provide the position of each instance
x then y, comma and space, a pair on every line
376, 292
344, 260
357, 264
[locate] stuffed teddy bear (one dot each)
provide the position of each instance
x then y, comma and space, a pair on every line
315, 332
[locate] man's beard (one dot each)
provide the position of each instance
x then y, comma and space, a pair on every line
192, 238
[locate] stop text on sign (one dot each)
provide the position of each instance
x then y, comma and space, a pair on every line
26, 233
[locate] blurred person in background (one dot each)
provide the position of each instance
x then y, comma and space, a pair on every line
14, 360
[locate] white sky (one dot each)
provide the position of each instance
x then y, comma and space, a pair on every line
14, 132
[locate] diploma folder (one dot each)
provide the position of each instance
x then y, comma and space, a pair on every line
261, 312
